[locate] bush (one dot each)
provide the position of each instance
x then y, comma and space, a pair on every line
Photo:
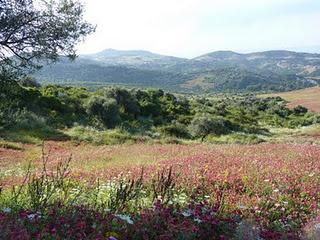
29, 120
104, 110
175, 130
202, 126
235, 138
92, 135
300, 110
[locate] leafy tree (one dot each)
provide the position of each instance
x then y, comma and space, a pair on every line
129, 107
149, 103
202, 126
105, 110
35, 30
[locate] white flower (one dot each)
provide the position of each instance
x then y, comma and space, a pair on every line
32, 216
242, 207
6, 210
276, 190
187, 213
197, 220
125, 218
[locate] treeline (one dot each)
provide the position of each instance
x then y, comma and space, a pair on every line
153, 113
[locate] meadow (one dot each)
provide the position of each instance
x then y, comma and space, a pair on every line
261, 191
210, 158
145, 164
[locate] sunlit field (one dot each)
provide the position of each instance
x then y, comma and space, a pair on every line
275, 185
306, 97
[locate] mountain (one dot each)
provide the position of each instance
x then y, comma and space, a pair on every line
277, 61
221, 71
135, 58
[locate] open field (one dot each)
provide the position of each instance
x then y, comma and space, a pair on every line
243, 166
276, 185
267, 160
309, 98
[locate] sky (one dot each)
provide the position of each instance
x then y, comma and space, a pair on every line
189, 28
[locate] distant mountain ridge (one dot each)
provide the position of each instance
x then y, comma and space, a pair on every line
134, 58
220, 71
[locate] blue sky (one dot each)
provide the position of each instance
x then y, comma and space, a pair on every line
188, 28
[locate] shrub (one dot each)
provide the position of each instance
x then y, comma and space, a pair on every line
235, 138
202, 126
92, 135
104, 109
29, 120
175, 130
300, 110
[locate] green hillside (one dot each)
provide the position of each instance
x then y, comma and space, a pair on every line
222, 71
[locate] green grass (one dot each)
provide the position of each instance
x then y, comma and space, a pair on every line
99, 137
33, 136
10, 145
235, 138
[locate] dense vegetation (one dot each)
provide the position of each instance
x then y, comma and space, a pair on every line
207, 193
133, 114
242, 79
221, 71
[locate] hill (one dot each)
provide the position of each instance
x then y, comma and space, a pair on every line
306, 97
221, 71
135, 58
92, 74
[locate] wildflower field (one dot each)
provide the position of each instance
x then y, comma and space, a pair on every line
65, 190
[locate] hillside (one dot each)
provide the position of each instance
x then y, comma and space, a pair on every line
90, 73
221, 71
309, 98
135, 58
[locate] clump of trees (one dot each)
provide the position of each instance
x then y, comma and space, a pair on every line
146, 112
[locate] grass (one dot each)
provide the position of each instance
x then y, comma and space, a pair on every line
308, 98
235, 138
32, 136
261, 185
99, 137
303, 135
273, 186
10, 145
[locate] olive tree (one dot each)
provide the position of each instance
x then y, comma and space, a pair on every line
33, 32
203, 125
104, 110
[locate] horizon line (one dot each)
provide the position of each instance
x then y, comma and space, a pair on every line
241, 52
